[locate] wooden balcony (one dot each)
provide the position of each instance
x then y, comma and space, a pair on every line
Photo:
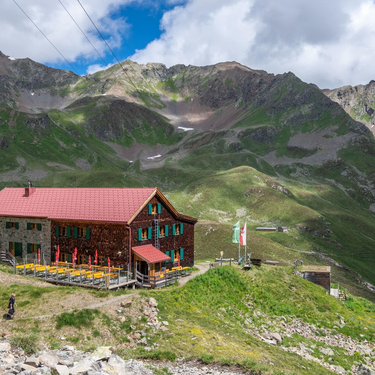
163, 279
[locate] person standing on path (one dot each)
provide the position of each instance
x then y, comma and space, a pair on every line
12, 302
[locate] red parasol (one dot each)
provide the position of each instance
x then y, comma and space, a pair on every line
96, 257
56, 258
90, 262
74, 257
109, 265
178, 260
38, 256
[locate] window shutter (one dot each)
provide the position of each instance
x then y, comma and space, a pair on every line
75, 232
28, 226
174, 229
87, 233
166, 231
57, 231
181, 228
7, 225
29, 248
140, 234
67, 232
17, 225
167, 254
159, 208
18, 249
86, 259
70, 259
158, 232
172, 256
181, 254
39, 226
39, 247
150, 209
149, 233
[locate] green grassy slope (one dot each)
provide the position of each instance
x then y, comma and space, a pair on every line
216, 317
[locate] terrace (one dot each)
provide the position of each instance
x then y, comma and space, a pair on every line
81, 275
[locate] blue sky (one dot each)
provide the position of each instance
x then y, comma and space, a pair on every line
328, 43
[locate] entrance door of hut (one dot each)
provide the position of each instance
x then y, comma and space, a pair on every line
144, 268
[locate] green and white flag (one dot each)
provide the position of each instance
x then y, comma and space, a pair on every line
236, 233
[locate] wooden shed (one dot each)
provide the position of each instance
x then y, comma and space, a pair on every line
320, 275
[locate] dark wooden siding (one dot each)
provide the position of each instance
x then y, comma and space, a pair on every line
320, 278
110, 240
172, 242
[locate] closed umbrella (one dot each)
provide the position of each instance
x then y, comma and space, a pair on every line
39, 256
90, 262
96, 257
109, 265
57, 255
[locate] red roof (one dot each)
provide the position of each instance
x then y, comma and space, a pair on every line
150, 254
82, 204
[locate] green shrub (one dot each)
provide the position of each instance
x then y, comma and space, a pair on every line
158, 355
82, 318
29, 342
206, 358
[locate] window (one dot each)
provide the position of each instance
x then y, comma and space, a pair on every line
34, 226
163, 231
144, 234
81, 232
11, 225
154, 208
157, 267
62, 232
32, 248
177, 229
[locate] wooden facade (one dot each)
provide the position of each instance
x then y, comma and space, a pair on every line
319, 275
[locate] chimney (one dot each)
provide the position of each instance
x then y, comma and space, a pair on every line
29, 190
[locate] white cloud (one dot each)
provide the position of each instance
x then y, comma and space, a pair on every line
329, 43
91, 69
20, 38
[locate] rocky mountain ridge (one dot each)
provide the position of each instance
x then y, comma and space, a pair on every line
358, 101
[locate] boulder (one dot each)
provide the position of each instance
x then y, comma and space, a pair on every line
152, 302
32, 361
62, 369
81, 368
5, 347
339, 370
102, 352
365, 370
327, 351
276, 336
49, 360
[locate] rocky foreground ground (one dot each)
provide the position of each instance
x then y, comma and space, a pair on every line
69, 361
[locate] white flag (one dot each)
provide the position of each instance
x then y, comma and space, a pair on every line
243, 236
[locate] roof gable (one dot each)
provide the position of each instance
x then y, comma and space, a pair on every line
166, 202
81, 204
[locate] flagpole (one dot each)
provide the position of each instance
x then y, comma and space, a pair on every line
239, 243
245, 244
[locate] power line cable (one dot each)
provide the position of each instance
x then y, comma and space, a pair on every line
83, 33
47, 38
100, 34
110, 49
